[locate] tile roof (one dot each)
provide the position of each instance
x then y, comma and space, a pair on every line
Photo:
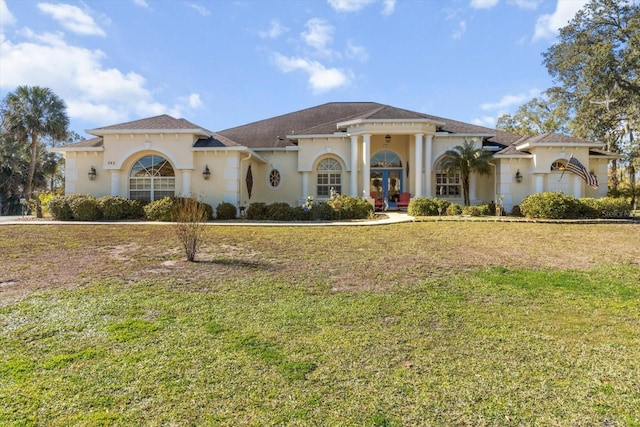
91, 142
323, 119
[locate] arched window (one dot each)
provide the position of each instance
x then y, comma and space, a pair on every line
151, 178
386, 159
558, 165
329, 174
447, 185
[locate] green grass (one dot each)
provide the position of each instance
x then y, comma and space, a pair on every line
487, 345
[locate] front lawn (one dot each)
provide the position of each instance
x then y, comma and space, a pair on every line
411, 324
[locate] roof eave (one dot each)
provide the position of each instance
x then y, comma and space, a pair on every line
102, 132
366, 121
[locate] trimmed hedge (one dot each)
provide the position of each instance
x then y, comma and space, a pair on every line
226, 210
163, 209
60, 206
554, 205
117, 208
349, 208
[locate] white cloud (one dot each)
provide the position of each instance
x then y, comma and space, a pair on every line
459, 32
274, 31
509, 101
318, 35
6, 17
388, 7
141, 3
321, 79
200, 9
193, 101
357, 52
349, 5
525, 4
548, 25
72, 18
486, 121
91, 91
483, 4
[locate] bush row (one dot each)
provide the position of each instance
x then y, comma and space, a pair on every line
554, 205
423, 206
342, 207
85, 207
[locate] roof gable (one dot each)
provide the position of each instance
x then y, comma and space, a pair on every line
161, 122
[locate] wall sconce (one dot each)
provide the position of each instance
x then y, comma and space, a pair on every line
92, 174
387, 139
518, 176
206, 173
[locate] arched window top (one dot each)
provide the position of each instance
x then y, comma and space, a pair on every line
558, 165
152, 165
386, 159
329, 165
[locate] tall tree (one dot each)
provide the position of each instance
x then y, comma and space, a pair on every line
596, 65
466, 159
540, 115
30, 113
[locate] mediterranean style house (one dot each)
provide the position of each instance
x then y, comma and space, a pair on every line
361, 149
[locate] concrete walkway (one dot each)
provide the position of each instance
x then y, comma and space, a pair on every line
391, 218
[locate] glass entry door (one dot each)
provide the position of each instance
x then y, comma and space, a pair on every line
386, 184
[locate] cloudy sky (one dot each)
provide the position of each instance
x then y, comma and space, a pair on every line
223, 63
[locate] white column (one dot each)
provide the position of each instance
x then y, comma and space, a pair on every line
304, 186
428, 164
366, 158
186, 182
418, 166
115, 183
577, 187
353, 178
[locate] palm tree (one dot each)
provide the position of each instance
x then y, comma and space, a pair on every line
29, 113
466, 159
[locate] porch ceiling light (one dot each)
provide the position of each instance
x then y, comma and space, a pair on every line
387, 138
206, 173
518, 176
92, 174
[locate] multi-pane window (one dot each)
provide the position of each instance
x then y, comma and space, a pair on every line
448, 185
329, 173
151, 178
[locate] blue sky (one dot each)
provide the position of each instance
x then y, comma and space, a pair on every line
225, 63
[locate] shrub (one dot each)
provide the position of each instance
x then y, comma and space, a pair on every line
45, 198
135, 209
477, 210
226, 210
442, 204
322, 211
280, 212
113, 208
612, 207
85, 208
60, 206
257, 211
587, 208
422, 206
454, 209
189, 215
353, 207
301, 213
159, 210
551, 205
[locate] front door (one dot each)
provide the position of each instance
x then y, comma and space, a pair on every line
386, 184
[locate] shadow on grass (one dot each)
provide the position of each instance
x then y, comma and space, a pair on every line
229, 262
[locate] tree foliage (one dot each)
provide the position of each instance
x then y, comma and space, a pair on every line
540, 115
466, 159
596, 66
30, 113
